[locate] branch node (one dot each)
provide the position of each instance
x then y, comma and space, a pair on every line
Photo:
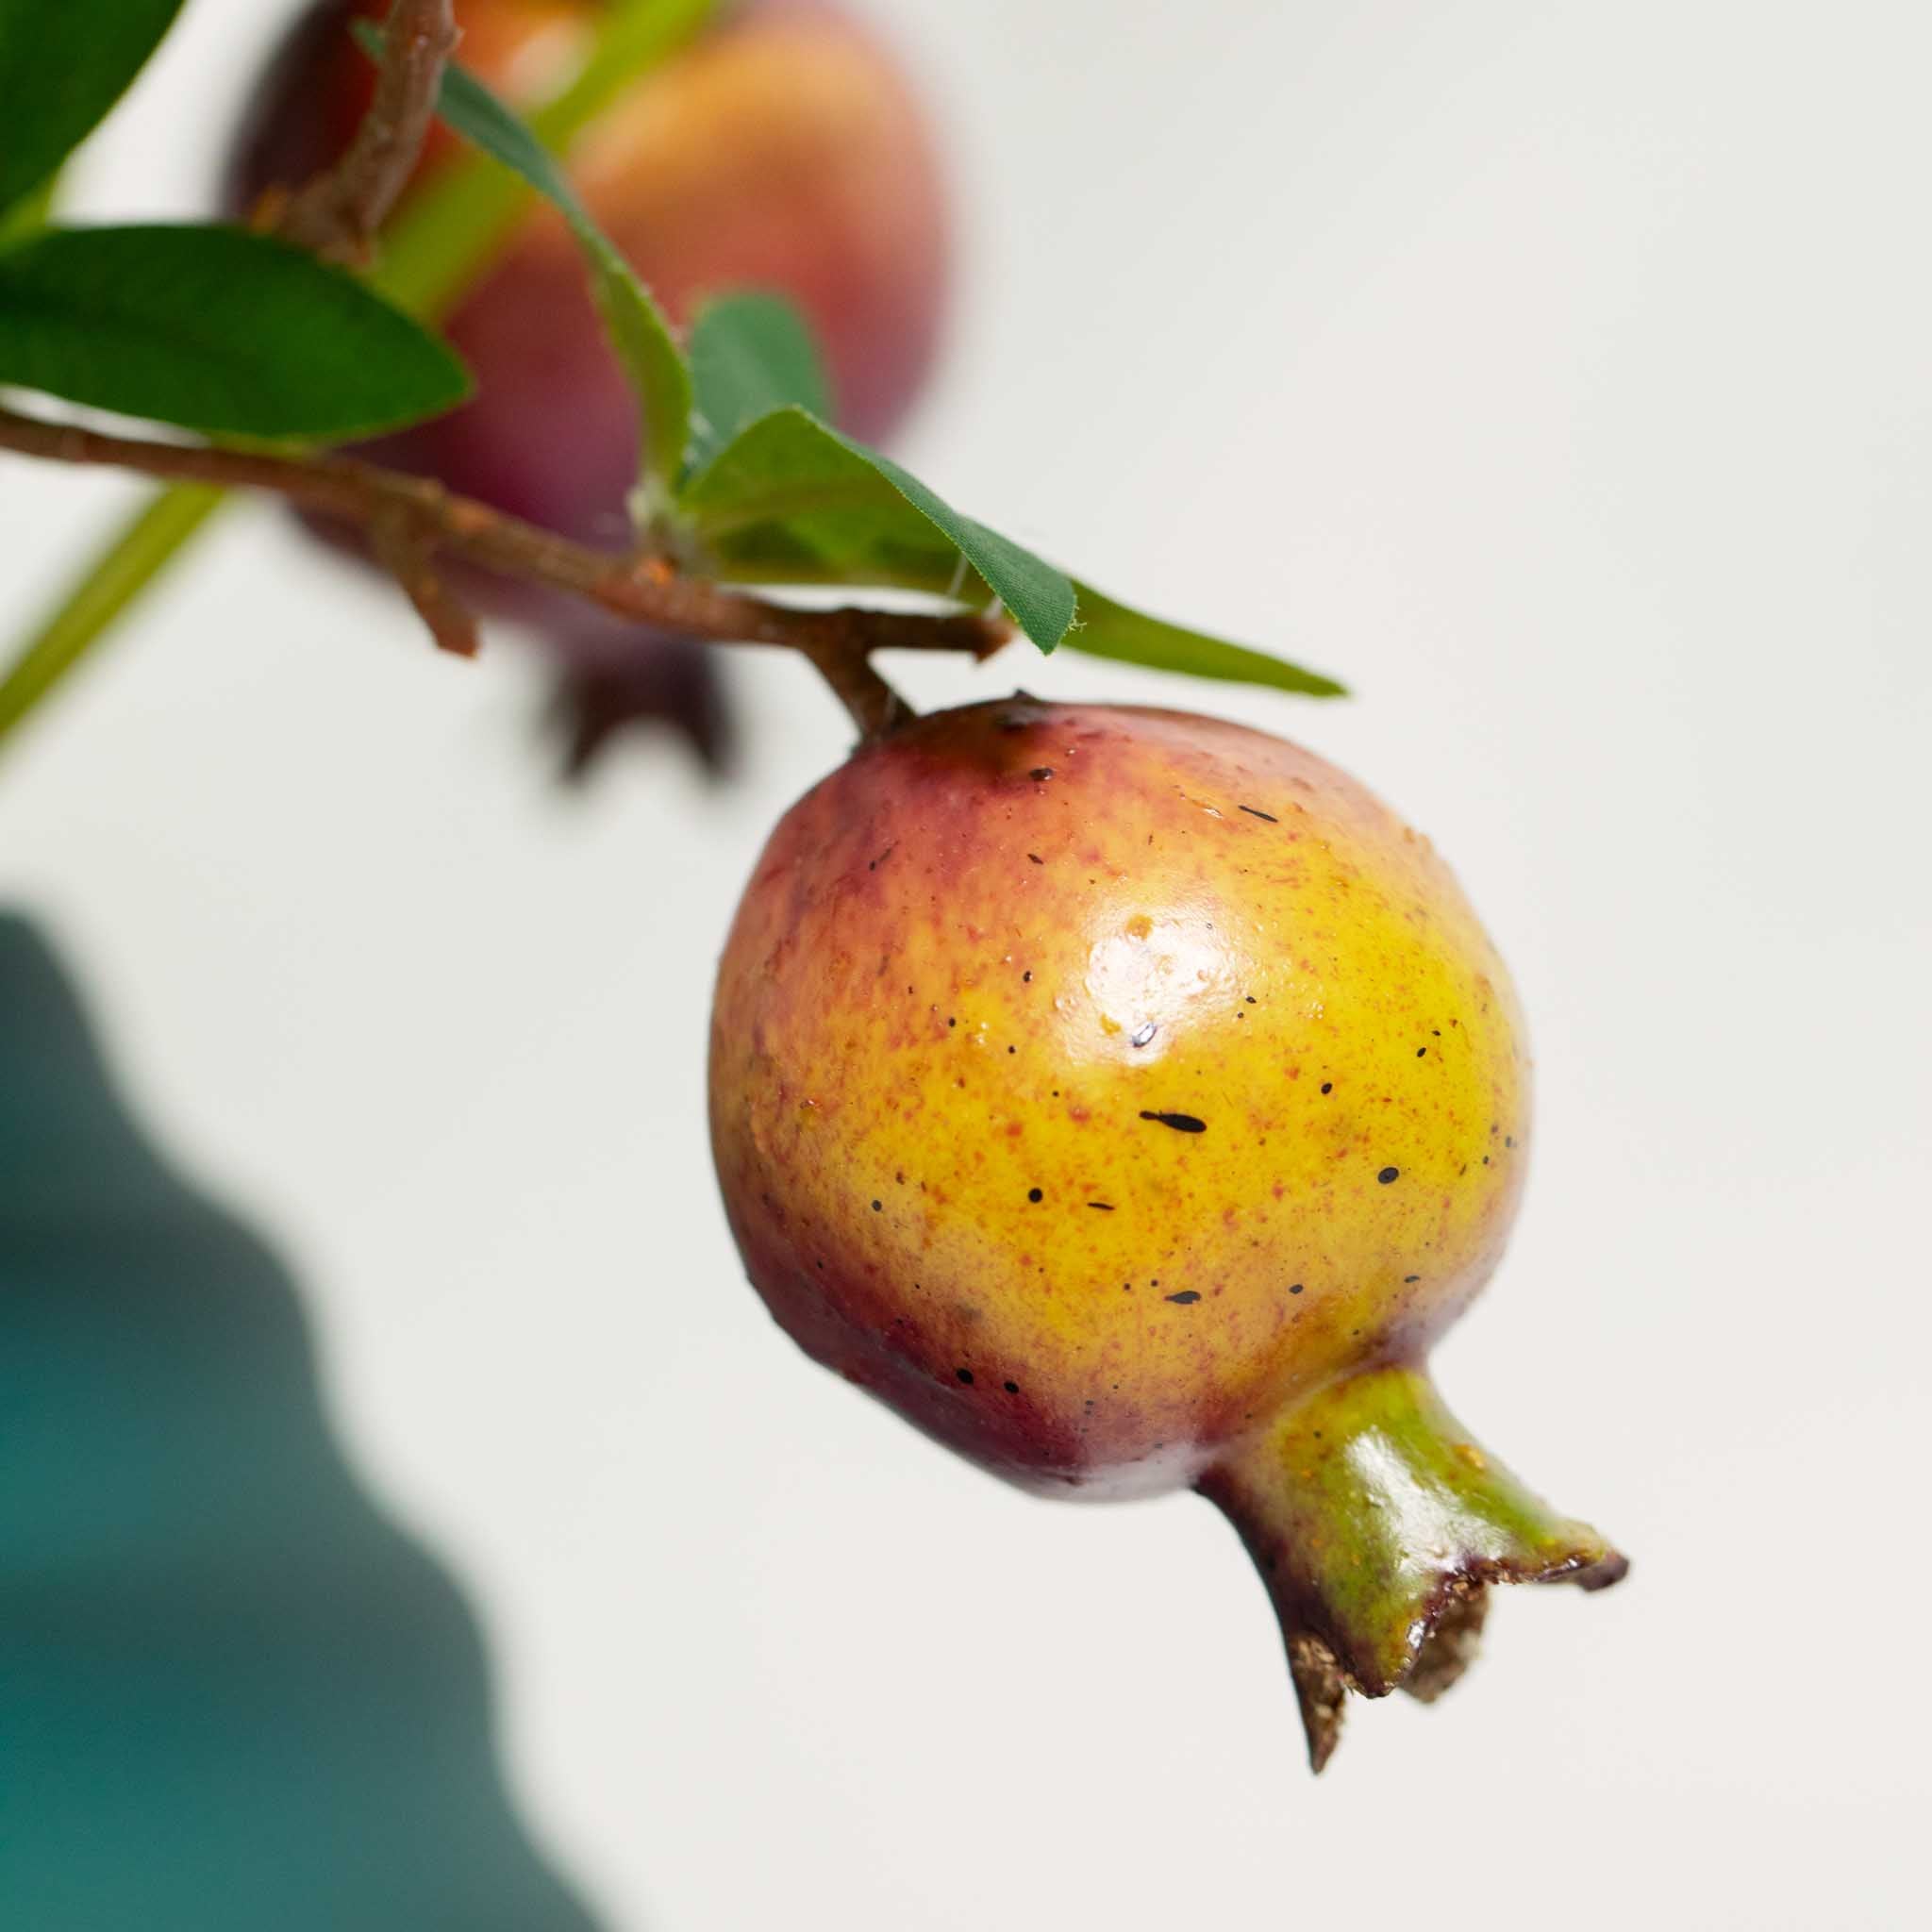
405, 545
337, 215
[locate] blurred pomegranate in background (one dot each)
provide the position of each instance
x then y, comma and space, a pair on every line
782, 149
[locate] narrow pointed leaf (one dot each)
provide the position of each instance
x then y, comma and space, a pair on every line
648, 352
61, 68
750, 353
1109, 630
214, 330
790, 498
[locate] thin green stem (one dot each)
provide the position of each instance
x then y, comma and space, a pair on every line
109, 584
441, 245
633, 39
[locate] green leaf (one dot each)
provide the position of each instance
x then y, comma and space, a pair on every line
652, 361
214, 330
1108, 629
30, 214
750, 353
61, 67
791, 500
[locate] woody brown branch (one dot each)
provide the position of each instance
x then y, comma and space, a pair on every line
404, 548
336, 214
419, 520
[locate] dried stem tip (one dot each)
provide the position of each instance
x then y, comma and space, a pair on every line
1378, 1525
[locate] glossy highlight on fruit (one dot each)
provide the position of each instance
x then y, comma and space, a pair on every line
1130, 1099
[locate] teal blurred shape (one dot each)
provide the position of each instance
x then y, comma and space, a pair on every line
232, 1694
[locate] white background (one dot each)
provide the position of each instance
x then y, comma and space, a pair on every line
1560, 374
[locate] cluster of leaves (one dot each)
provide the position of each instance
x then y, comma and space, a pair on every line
236, 335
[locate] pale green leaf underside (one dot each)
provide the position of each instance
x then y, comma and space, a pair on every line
751, 352
790, 499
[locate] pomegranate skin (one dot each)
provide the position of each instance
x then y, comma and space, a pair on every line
1091, 1084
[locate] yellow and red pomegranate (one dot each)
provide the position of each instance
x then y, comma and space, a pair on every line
1130, 1099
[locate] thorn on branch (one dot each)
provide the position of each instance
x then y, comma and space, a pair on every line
405, 545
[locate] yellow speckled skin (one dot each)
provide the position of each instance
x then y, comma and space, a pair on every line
1091, 1083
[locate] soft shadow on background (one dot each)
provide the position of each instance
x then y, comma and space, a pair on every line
232, 1694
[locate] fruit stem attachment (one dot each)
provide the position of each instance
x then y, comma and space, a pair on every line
873, 705
1377, 1526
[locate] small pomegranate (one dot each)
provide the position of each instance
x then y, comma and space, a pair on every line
782, 149
1129, 1100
